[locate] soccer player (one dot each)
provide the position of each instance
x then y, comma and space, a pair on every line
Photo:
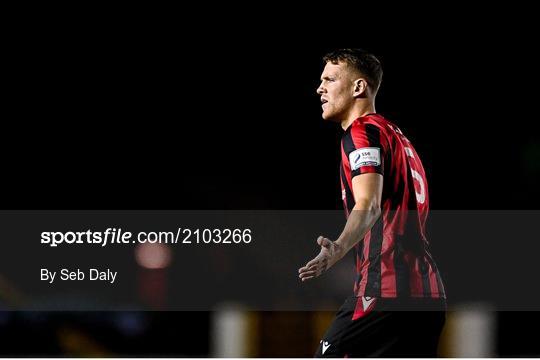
398, 306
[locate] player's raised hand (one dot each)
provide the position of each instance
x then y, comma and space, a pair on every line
327, 257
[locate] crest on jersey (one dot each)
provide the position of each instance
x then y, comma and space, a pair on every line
368, 156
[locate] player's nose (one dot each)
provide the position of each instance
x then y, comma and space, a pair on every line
320, 90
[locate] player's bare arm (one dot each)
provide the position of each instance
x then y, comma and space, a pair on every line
367, 190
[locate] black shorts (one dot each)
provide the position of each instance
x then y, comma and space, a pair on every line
377, 327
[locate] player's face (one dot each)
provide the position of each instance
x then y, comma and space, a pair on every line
336, 91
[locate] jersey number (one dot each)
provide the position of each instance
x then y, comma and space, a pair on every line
420, 196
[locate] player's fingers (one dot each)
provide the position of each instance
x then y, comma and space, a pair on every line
324, 242
308, 273
319, 263
308, 265
312, 262
315, 267
307, 278
305, 268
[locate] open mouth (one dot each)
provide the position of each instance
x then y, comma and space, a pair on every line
323, 101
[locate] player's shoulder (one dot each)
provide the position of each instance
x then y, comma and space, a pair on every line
373, 121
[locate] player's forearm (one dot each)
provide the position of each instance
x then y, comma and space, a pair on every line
364, 215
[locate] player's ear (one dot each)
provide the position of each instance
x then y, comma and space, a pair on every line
360, 88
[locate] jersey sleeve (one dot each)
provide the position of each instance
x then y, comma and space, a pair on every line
366, 148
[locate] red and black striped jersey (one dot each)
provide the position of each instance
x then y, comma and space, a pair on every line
393, 259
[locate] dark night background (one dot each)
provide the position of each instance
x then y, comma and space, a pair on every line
160, 115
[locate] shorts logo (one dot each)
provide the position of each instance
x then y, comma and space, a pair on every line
325, 346
369, 156
366, 302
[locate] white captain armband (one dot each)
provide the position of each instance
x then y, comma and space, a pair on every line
368, 156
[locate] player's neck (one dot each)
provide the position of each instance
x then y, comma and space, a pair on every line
359, 109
